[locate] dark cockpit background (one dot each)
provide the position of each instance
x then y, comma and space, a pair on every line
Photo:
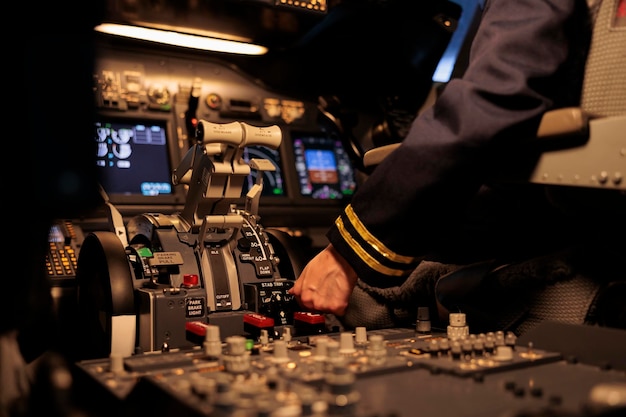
356, 73
369, 71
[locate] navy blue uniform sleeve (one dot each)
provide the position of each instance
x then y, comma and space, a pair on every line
521, 65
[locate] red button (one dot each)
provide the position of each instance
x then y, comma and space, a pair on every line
190, 280
311, 318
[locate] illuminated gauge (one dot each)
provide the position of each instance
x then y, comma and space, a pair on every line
159, 94
213, 101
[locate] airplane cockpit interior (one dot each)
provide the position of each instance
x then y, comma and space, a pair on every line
190, 157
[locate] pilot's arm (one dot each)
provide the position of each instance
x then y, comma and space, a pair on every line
527, 57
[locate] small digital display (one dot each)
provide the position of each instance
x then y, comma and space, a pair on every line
55, 234
133, 157
324, 168
273, 183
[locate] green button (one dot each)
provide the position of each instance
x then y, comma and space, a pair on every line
249, 344
145, 252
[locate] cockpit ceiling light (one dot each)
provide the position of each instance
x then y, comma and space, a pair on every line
181, 39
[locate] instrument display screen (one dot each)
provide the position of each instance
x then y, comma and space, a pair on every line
133, 157
323, 167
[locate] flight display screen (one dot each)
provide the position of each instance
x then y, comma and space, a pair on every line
133, 157
324, 168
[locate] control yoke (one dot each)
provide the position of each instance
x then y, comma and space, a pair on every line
215, 171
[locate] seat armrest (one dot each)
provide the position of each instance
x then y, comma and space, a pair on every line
375, 156
567, 121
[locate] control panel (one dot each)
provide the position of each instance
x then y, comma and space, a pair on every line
149, 103
150, 283
209, 181
64, 240
392, 372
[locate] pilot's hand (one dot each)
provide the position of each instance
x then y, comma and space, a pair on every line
325, 283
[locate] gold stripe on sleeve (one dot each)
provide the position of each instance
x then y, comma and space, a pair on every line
366, 257
375, 243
